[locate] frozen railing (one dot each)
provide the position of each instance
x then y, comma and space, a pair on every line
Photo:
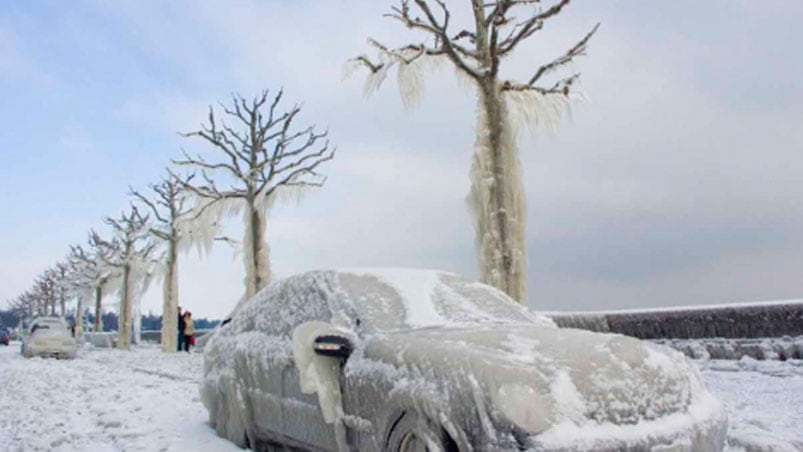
156, 335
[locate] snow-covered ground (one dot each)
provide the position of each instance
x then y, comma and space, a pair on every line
107, 400
764, 401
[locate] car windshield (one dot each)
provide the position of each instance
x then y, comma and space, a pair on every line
391, 300
49, 326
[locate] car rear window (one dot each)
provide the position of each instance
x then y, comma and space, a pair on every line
385, 303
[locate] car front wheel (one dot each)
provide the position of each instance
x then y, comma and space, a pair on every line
414, 433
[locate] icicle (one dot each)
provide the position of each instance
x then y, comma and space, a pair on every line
533, 110
411, 79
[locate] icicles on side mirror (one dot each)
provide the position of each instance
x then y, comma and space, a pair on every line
319, 373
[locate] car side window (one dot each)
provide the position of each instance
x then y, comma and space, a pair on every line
287, 306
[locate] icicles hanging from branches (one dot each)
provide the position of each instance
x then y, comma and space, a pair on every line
411, 78
476, 52
263, 158
411, 63
533, 111
202, 227
175, 230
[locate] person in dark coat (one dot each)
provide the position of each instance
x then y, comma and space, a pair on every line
189, 331
181, 327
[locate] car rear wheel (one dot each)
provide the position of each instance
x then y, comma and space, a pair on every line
413, 433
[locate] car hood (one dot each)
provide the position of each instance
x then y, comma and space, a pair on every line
538, 377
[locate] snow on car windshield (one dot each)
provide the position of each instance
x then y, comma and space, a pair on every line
49, 327
395, 299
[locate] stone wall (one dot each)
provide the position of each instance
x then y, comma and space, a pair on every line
727, 321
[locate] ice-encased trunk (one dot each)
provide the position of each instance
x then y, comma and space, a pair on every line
79, 319
124, 327
257, 263
136, 319
497, 197
98, 305
170, 302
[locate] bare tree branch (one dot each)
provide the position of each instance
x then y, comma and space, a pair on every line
266, 149
577, 50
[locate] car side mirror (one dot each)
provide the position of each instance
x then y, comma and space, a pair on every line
333, 345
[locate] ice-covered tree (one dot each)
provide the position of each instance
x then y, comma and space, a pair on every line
171, 228
26, 305
100, 277
260, 156
60, 275
77, 286
128, 252
476, 51
87, 277
45, 290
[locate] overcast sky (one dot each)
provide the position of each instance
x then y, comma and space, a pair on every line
678, 182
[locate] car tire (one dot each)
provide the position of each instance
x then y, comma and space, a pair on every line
415, 433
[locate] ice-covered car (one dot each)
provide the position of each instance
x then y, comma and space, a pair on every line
399, 360
5, 337
49, 336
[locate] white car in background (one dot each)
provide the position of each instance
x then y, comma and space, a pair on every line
49, 336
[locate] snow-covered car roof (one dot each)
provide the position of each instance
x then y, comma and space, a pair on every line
385, 299
48, 320
390, 299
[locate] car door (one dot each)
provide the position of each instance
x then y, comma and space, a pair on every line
264, 389
303, 418
28, 340
276, 406
302, 414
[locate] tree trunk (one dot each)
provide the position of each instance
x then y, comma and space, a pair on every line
124, 326
61, 292
170, 301
98, 300
136, 318
497, 197
257, 263
79, 320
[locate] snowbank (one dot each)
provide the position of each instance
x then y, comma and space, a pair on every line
763, 401
781, 348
